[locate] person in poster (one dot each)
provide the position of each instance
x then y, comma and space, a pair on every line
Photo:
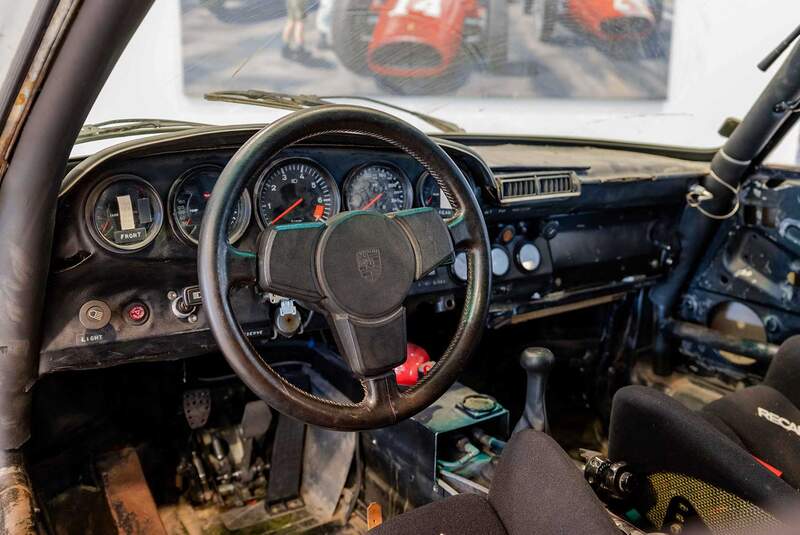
294, 31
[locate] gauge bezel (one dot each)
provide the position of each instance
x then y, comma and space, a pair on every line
418, 196
102, 241
408, 188
334, 187
177, 228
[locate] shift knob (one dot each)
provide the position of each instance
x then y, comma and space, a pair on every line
537, 362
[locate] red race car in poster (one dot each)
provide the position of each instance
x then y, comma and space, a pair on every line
420, 46
607, 20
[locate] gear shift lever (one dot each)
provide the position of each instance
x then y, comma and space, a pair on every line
536, 361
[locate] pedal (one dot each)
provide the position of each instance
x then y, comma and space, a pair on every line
197, 407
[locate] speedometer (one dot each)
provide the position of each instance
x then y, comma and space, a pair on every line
188, 199
295, 190
381, 187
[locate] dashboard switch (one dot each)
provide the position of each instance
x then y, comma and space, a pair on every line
94, 314
136, 313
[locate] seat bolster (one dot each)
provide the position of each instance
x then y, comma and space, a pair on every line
537, 488
767, 424
465, 514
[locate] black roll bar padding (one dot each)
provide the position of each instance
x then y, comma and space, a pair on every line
731, 165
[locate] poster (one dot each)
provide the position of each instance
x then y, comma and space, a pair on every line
565, 49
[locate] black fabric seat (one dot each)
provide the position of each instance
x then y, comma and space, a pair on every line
737, 460
765, 419
537, 489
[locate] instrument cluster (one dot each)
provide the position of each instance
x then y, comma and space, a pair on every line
125, 213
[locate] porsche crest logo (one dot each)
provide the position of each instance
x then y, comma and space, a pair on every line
369, 263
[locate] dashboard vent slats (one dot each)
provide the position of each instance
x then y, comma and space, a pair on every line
536, 185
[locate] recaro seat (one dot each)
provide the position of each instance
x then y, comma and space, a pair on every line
737, 460
537, 490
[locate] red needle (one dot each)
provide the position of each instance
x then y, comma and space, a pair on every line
375, 199
294, 205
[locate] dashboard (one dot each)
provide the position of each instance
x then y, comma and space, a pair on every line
569, 226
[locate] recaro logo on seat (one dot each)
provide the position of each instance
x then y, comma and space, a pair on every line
777, 419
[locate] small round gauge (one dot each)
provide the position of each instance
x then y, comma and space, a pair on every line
124, 213
429, 194
189, 196
295, 190
379, 187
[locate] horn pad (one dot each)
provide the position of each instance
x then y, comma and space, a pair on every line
366, 264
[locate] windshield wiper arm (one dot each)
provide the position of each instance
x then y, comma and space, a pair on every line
286, 101
131, 127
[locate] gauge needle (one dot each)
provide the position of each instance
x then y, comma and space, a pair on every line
283, 214
375, 199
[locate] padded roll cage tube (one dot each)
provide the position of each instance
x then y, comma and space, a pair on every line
99, 31
761, 128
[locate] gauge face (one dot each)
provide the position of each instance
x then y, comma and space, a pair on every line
379, 187
429, 194
295, 190
125, 213
188, 200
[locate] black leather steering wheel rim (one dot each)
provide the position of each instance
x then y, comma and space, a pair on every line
383, 404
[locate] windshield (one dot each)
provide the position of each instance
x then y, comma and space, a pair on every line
652, 71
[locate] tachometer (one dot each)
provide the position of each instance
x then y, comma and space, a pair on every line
124, 213
429, 194
380, 187
295, 190
188, 199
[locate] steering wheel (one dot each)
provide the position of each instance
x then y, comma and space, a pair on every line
356, 269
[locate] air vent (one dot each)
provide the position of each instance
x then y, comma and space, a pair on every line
538, 185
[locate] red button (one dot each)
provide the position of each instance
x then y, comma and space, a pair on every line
137, 312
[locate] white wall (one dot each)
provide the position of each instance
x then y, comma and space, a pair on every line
14, 15
716, 46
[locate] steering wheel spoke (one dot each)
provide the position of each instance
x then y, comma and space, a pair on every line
381, 391
242, 266
286, 264
429, 237
459, 232
371, 347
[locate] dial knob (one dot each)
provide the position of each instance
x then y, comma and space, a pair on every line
459, 267
529, 257
500, 261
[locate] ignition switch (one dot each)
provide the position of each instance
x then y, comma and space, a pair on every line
184, 303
